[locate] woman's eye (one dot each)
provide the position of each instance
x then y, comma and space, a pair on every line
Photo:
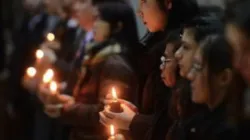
185, 47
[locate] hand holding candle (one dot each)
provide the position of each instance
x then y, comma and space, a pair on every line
115, 105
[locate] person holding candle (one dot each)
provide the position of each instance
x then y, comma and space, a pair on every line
104, 66
160, 17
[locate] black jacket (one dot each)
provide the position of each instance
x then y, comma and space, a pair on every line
204, 125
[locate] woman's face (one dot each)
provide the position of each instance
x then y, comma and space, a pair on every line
153, 17
85, 13
101, 30
241, 48
185, 53
169, 66
198, 77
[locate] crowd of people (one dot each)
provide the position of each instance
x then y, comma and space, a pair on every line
80, 72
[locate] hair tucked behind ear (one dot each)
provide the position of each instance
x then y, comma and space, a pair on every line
216, 56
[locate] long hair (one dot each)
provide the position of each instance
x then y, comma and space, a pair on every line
116, 13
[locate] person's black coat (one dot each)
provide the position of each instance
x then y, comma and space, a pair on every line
204, 125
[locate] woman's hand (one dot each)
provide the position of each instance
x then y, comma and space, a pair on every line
54, 110
120, 120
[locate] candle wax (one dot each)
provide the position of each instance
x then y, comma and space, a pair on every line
115, 106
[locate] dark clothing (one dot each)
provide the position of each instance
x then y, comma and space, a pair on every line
204, 125
26, 41
151, 86
66, 36
102, 69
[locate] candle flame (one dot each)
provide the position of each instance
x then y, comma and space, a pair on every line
31, 71
112, 130
114, 94
39, 54
50, 37
53, 87
47, 77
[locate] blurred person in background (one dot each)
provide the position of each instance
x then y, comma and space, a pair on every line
26, 40
237, 32
160, 17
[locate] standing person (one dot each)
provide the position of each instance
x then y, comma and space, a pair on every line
237, 32
26, 39
211, 78
104, 66
160, 17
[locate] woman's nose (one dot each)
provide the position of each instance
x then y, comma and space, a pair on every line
177, 54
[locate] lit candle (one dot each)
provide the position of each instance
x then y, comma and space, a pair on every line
50, 37
39, 54
113, 135
115, 105
53, 87
48, 76
31, 72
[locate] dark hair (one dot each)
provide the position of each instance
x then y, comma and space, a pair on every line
217, 56
181, 92
238, 13
181, 12
97, 2
204, 26
115, 13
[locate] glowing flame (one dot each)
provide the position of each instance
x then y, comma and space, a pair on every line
112, 130
39, 54
114, 94
53, 87
50, 37
31, 71
47, 77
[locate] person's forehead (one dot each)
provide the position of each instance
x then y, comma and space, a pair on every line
188, 36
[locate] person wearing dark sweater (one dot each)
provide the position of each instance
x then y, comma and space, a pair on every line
160, 17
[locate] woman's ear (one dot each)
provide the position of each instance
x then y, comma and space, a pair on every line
226, 77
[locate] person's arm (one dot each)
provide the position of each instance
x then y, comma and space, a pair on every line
114, 73
140, 126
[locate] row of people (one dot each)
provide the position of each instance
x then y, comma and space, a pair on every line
192, 94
